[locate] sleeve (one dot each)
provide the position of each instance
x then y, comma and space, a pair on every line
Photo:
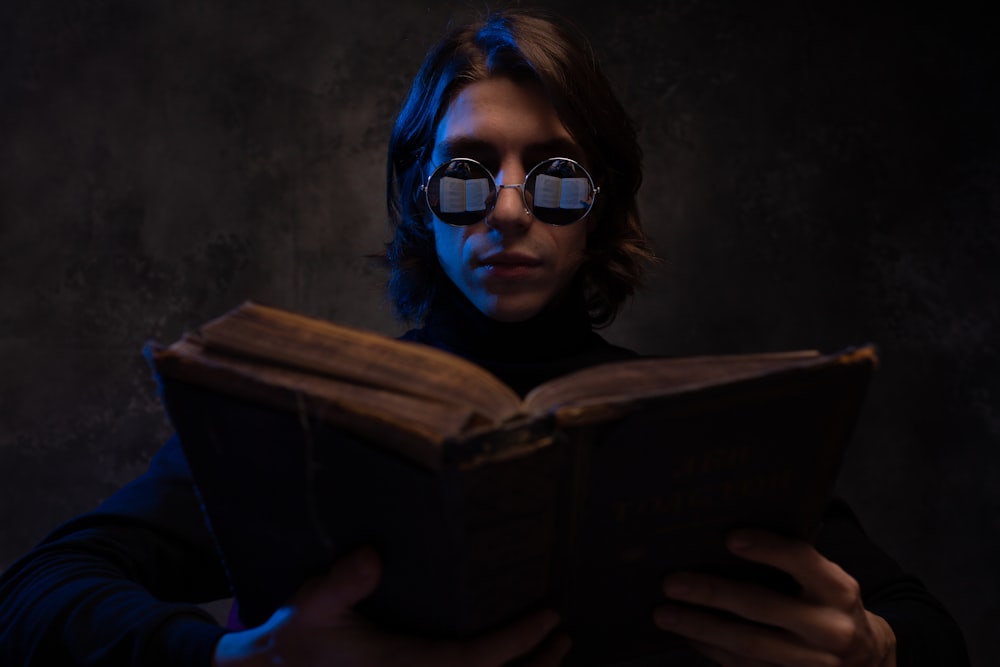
926, 634
120, 585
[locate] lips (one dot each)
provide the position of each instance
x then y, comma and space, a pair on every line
510, 259
508, 266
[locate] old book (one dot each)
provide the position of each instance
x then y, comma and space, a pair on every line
307, 439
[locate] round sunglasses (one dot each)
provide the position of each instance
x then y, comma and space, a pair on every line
557, 191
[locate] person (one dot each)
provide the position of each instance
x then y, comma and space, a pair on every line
512, 180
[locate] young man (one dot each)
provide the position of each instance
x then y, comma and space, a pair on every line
512, 180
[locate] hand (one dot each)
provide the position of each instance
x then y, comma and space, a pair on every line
826, 625
319, 628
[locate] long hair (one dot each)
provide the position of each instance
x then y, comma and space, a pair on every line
522, 45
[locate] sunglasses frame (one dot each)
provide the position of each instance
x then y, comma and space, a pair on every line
497, 187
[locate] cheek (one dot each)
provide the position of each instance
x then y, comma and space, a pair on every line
572, 243
449, 243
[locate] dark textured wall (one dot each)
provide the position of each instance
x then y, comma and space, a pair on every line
814, 178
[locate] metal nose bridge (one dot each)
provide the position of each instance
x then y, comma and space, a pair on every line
516, 186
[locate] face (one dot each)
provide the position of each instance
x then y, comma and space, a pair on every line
509, 265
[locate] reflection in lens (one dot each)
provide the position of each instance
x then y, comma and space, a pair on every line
462, 192
560, 191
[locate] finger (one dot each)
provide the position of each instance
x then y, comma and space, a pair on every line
347, 582
737, 637
513, 641
822, 580
755, 603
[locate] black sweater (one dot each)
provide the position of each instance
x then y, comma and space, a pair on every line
121, 585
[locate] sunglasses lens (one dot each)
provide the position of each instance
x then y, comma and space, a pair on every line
559, 191
460, 192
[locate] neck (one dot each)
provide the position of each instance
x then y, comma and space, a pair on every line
560, 329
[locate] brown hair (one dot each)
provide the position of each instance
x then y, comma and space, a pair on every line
531, 45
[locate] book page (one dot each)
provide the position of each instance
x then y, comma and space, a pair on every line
548, 191
641, 378
361, 357
459, 195
413, 426
453, 195
477, 191
575, 193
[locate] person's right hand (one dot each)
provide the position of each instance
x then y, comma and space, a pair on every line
319, 628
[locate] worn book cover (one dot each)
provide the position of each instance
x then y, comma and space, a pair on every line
307, 439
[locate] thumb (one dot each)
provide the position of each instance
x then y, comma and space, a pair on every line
348, 581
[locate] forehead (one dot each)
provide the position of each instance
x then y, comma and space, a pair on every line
505, 116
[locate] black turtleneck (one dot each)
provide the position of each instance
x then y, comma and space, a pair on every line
556, 341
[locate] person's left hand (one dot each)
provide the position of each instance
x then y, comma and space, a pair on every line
826, 625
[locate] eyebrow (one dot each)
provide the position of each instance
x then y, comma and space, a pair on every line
459, 146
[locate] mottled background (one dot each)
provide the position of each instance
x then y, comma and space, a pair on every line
817, 174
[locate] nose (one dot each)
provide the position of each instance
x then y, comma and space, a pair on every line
510, 211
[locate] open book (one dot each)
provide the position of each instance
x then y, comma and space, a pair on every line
307, 439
